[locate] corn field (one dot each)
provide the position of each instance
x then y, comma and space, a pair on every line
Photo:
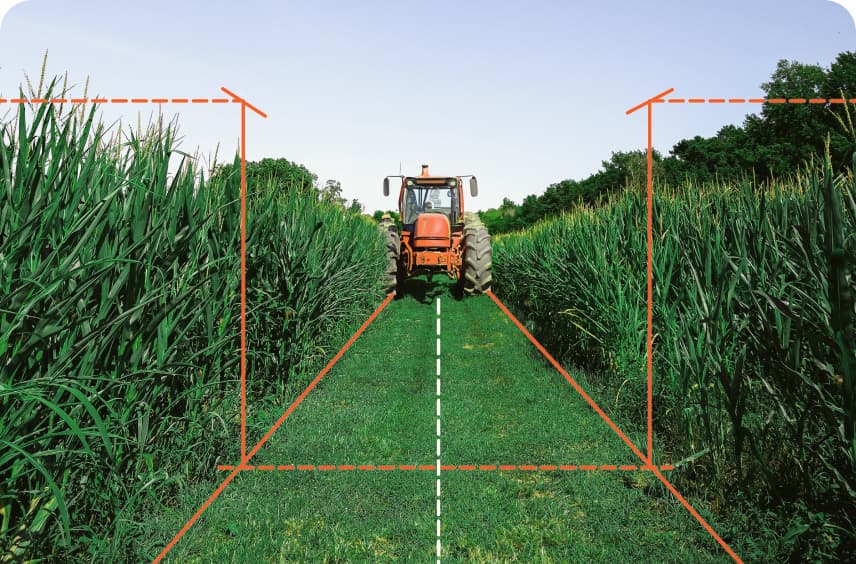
120, 320
754, 341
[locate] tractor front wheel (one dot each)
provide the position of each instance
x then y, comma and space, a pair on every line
393, 251
476, 276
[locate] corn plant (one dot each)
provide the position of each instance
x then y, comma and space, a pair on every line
753, 324
119, 321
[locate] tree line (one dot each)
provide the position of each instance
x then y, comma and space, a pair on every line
774, 143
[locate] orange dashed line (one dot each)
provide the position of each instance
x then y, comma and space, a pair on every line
462, 467
240, 100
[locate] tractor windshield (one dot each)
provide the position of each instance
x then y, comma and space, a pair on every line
436, 199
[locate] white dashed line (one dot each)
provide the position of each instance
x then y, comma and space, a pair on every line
439, 544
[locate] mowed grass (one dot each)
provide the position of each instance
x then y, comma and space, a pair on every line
500, 405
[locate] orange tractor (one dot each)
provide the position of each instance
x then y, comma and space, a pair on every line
436, 236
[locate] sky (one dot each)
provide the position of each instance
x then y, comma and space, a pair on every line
521, 94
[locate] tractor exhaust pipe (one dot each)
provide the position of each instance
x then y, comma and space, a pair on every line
425, 170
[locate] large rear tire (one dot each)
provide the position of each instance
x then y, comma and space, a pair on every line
393, 252
476, 276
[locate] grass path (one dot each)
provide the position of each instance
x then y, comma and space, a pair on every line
501, 405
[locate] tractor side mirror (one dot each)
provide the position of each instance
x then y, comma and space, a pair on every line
386, 186
474, 187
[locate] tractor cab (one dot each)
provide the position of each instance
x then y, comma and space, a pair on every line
436, 198
430, 209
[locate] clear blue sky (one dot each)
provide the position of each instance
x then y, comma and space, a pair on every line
523, 94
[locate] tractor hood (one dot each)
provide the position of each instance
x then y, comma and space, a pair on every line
432, 230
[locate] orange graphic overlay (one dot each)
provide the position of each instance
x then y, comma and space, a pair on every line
444, 467
649, 105
244, 106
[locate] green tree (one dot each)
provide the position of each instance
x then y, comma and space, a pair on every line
841, 83
356, 207
332, 192
279, 173
792, 133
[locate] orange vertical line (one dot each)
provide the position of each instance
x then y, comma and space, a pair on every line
650, 283
243, 281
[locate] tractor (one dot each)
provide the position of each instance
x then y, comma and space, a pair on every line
436, 236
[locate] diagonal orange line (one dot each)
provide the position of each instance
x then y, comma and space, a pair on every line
615, 428
270, 432
657, 98
236, 98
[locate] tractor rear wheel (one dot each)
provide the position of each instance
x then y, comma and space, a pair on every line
393, 251
476, 275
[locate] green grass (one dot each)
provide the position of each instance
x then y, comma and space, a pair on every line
501, 404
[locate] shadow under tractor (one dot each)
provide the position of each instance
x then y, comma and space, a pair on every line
436, 235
